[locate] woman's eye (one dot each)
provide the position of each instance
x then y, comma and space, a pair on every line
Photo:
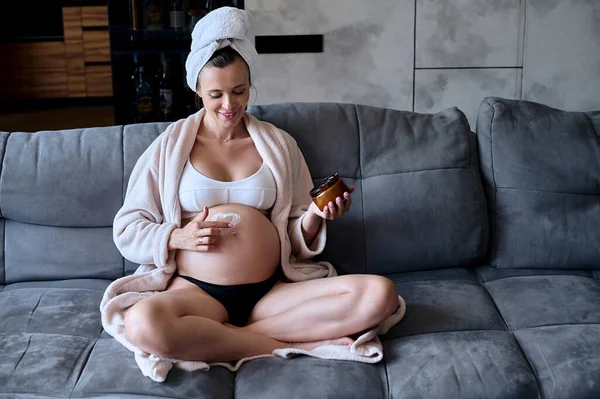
237, 93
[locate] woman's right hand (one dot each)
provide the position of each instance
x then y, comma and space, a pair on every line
197, 234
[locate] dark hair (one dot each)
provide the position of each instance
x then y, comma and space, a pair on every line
221, 59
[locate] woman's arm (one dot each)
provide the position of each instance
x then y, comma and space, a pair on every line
311, 223
139, 231
306, 230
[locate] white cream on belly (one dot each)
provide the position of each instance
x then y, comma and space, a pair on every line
231, 218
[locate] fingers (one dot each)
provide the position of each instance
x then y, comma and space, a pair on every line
326, 212
348, 200
205, 243
207, 240
209, 232
330, 211
338, 209
201, 216
215, 224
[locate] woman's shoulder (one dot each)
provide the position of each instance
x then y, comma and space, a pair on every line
275, 129
179, 129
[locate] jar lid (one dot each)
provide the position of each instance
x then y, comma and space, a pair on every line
324, 185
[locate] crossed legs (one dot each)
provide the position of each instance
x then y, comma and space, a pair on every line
186, 323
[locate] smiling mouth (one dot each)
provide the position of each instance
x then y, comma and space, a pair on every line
228, 115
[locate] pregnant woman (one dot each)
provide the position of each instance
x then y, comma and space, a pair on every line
224, 198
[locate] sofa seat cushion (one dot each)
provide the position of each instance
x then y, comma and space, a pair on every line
452, 342
42, 363
458, 364
555, 317
47, 332
488, 332
444, 300
308, 377
529, 299
111, 370
57, 311
566, 359
52, 343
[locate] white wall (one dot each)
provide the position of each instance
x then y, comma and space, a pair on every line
546, 51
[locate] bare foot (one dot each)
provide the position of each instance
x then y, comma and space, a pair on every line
308, 346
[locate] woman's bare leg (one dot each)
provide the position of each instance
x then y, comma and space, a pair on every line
187, 324
324, 308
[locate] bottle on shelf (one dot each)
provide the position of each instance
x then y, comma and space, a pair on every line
153, 18
136, 17
143, 98
188, 96
196, 12
177, 16
165, 93
209, 6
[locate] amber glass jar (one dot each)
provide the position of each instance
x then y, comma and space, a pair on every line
328, 190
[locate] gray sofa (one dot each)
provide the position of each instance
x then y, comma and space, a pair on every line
492, 238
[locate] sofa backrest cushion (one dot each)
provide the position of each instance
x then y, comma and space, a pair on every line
59, 192
419, 201
541, 168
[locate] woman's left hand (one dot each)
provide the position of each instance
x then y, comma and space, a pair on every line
334, 211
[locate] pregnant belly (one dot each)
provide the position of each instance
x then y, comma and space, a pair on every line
247, 253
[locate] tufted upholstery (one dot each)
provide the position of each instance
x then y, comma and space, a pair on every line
499, 271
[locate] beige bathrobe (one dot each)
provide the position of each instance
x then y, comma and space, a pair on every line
151, 211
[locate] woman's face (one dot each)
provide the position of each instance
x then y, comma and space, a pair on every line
225, 92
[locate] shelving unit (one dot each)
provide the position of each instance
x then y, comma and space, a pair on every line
148, 46
76, 65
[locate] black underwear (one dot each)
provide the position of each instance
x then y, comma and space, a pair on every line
238, 300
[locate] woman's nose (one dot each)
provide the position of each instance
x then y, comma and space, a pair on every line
227, 101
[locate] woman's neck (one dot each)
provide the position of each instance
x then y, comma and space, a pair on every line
209, 128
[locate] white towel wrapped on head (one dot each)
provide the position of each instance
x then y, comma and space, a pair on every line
223, 27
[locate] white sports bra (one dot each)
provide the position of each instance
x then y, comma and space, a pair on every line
197, 191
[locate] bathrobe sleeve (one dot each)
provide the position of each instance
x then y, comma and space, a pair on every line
139, 230
301, 200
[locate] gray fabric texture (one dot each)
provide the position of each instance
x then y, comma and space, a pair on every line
69, 312
306, 377
541, 167
444, 305
36, 252
3, 139
462, 364
534, 301
487, 273
72, 193
123, 375
88, 284
565, 358
42, 363
420, 187
2, 267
